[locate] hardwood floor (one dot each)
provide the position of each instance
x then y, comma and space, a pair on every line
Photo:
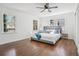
64, 47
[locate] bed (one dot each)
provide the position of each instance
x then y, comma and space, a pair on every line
48, 35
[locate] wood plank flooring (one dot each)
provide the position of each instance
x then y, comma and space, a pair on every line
26, 47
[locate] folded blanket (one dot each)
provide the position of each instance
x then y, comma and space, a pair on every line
38, 35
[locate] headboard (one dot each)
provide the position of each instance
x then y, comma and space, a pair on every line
50, 28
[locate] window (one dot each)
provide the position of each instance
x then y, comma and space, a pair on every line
35, 24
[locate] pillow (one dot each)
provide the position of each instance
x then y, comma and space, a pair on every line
53, 32
44, 31
57, 32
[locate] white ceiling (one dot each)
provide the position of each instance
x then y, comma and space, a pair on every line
31, 8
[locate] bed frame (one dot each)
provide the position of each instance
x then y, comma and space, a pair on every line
47, 28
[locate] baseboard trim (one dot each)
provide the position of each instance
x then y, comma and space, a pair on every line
14, 40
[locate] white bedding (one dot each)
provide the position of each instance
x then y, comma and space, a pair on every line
50, 37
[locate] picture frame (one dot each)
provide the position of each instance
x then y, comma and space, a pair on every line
8, 23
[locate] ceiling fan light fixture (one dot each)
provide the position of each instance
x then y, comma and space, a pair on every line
46, 6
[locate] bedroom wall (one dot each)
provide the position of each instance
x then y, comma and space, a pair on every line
70, 23
0, 22
77, 27
23, 25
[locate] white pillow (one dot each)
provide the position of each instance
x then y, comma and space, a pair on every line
53, 32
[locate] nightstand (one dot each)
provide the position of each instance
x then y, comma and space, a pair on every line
64, 36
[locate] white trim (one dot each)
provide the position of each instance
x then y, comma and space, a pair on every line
14, 40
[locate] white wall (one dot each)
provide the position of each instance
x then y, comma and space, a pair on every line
70, 23
77, 27
23, 25
0, 22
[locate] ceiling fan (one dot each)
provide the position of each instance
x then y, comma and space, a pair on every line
46, 6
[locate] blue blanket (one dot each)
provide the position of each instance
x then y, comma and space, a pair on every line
38, 35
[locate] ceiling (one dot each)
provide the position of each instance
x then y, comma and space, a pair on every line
31, 8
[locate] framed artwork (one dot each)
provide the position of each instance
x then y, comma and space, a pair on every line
8, 23
51, 22
35, 25
61, 22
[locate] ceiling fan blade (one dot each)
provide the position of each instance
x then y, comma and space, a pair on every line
47, 3
40, 7
53, 7
49, 10
42, 10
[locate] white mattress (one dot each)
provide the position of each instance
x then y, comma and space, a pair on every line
50, 37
